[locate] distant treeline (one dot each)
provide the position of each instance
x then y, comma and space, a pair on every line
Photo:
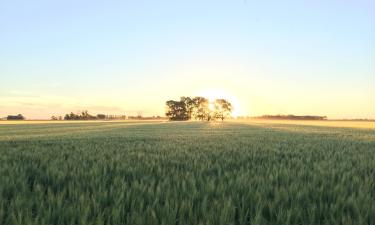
85, 115
291, 117
365, 120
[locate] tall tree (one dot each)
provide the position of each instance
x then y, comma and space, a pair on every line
189, 106
176, 110
201, 108
222, 109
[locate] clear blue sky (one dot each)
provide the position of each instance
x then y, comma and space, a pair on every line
270, 57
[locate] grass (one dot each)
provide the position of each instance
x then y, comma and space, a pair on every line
186, 173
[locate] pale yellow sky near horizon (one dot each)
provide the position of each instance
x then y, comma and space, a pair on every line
252, 102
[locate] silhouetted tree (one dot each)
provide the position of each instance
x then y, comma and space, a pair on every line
83, 116
222, 109
69, 116
189, 106
176, 110
201, 109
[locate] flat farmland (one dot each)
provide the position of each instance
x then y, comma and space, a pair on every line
145, 172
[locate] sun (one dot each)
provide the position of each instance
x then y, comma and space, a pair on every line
215, 93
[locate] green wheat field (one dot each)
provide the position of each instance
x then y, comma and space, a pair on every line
176, 173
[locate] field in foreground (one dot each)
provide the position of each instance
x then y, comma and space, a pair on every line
186, 173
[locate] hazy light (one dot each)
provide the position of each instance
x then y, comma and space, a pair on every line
217, 93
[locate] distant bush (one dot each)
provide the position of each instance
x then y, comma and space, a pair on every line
101, 116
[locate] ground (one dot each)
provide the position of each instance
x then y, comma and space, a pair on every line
145, 172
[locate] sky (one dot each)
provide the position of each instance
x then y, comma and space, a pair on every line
299, 57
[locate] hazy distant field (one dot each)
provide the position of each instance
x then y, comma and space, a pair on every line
325, 123
187, 173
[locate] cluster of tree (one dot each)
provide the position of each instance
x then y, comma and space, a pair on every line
198, 108
83, 116
291, 117
17, 117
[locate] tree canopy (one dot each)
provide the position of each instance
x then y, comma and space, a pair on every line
222, 109
198, 108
